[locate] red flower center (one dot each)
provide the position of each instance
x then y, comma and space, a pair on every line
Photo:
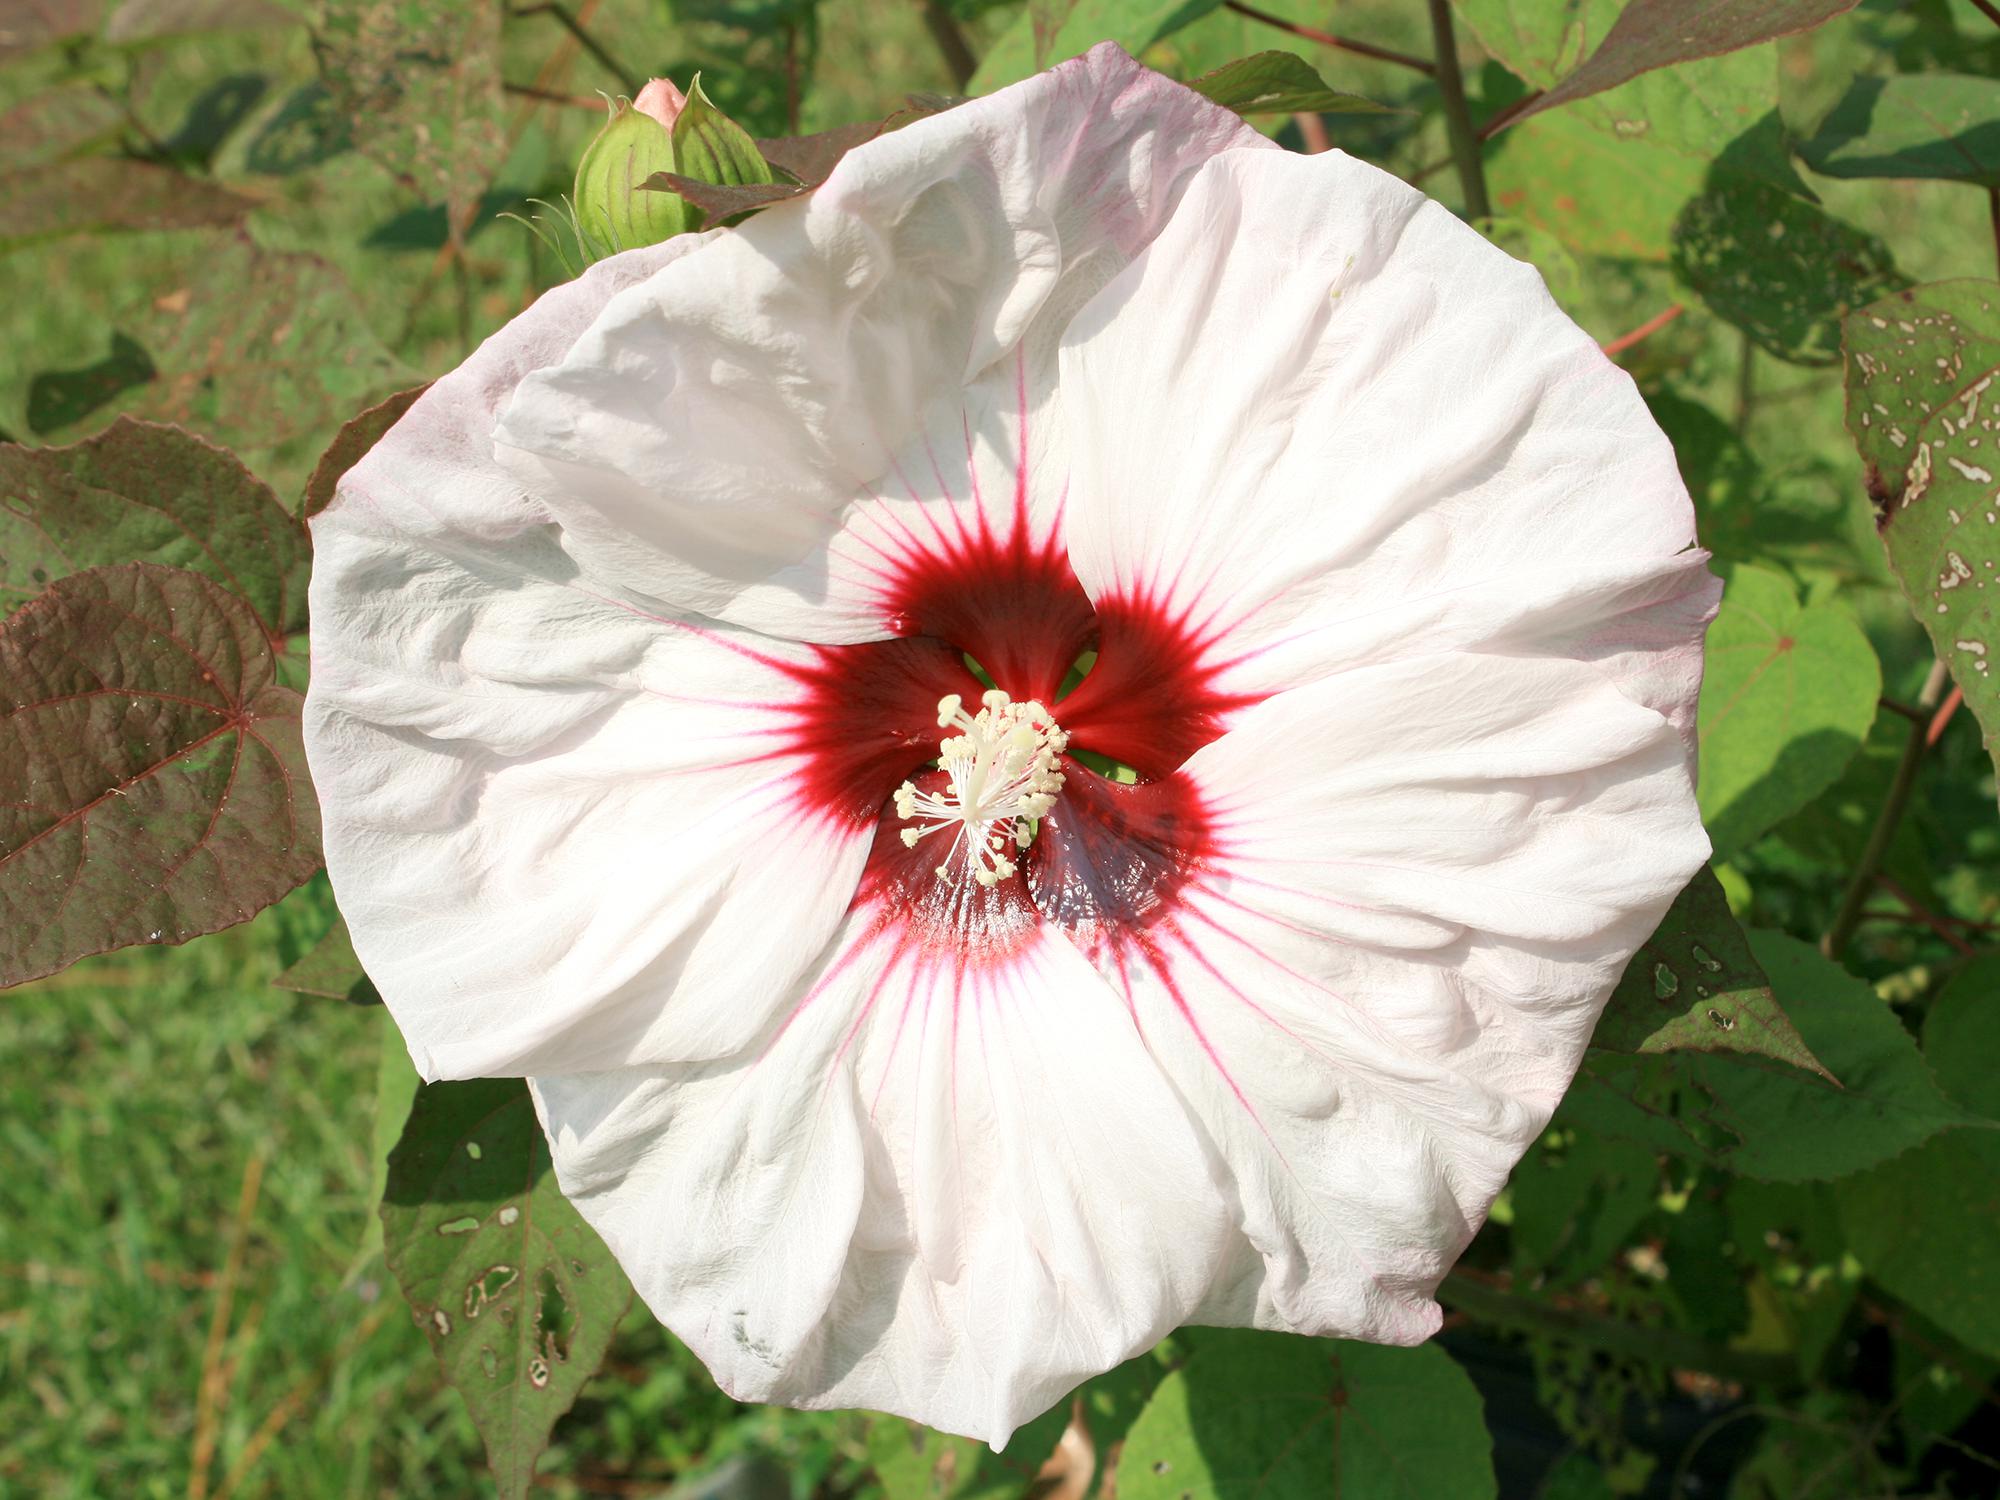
1110, 858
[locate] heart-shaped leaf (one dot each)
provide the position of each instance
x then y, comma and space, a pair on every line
1265, 1414
153, 784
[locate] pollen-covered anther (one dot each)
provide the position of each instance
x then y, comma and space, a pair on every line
1004, 765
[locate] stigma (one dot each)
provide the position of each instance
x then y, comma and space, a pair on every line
1003, 765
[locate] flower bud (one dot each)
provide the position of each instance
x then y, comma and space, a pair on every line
663, 130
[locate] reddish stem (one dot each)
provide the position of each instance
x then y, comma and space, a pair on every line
1509, 115
1943, 717
1645, 330
1328, 39
1312, 133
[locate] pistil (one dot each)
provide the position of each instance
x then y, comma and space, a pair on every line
1004, 774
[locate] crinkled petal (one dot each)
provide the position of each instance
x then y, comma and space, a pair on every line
709, 430
948, 1187
1426, 878
568, 832
1321, 422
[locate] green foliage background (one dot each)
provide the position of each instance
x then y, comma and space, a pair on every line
255, 218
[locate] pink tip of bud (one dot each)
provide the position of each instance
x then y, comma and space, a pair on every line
661, 100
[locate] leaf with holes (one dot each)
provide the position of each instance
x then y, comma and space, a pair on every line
143, 492
1921, 407
1653, 34
1927, 1225
152, 782
1786, 700
420, 88
1780, 269
517, 1295
331, 970
357, 435
1278, 83
914, 1463
1694, 985
107, 194
1267, 1414
1939, 125
265, 352
1763, 1118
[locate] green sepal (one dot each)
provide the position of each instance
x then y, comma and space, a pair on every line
710, 147
611, 213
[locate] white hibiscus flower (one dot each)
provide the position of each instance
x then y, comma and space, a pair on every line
941, 1098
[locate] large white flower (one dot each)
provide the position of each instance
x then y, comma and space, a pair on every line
940, 1098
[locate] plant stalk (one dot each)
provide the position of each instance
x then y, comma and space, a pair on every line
951, 43
1683, 1351
1328, 39
1459, 129
570, 22
1862, 884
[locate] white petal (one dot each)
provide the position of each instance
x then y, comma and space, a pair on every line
948, 1192
540, 802
708, 430
1328, 423
1427, 876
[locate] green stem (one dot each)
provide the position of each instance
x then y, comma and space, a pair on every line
1669, 1346
1458, 115
951, 43
1746, 394
1862, 885
566, 18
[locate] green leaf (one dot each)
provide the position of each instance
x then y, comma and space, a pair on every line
1779, 268
1942, 125
357, 435
153, 785
1653, 34
1805, 513
1786, 700
1696, 109
1927, 1226
58, 398
914, 1463
1920, 406
1278, 83
517, 1295
1596, 192
262, 351
107, 194
1257, 1415
58, 122
1577, 1201
1764, 1118
143, 492
420, 88
331, 970
1695, 986
1051, 31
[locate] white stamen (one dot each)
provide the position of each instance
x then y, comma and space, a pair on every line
1005, 773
